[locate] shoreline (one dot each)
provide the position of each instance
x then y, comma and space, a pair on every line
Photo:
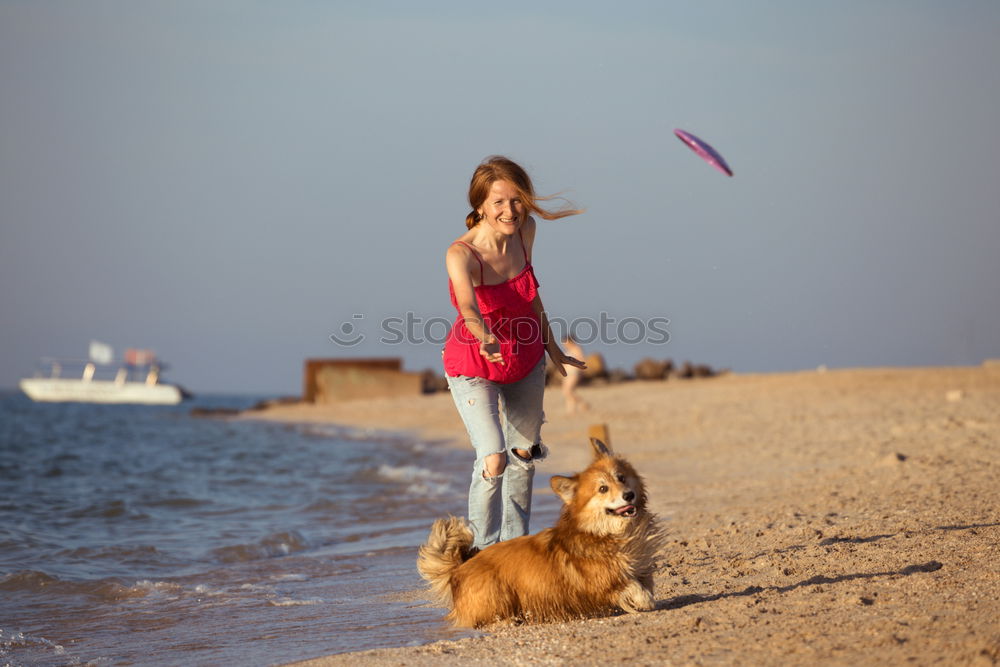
846, 516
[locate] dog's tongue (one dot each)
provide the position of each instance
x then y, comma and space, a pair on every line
624, 510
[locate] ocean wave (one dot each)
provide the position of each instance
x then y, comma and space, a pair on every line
404, 473
361, 434
324, 505
340, 432
201, 592
111, 509
429, 489
34, 581
177, 503
141, 554
277, 544
323, 430
289, 602
162, 587
18, 640
421, 481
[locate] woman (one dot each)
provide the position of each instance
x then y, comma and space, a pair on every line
494, 357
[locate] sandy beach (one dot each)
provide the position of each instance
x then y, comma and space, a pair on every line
848, 517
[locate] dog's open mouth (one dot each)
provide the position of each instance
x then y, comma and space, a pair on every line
625, 510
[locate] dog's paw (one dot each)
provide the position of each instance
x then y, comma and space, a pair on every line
635, 598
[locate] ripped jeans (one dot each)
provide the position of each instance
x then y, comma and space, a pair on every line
501, 418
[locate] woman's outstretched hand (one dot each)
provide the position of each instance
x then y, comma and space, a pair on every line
561, 359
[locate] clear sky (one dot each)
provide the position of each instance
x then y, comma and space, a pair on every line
230, 183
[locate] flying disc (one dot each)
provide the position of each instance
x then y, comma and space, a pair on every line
704, 151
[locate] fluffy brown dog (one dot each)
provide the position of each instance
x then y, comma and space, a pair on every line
596, 559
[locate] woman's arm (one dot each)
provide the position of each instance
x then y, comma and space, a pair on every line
558, 357
458, 261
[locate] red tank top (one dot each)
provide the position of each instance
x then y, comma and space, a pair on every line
508, 314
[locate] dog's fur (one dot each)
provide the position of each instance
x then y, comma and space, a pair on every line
596, 559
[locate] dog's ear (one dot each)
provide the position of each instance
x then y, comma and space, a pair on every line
565, 487
600, 449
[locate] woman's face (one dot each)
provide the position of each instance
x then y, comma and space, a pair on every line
503, 209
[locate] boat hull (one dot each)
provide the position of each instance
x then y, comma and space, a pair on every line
65, 390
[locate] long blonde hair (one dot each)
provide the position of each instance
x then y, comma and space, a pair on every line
499, 168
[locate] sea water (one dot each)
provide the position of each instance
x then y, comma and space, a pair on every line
145, 535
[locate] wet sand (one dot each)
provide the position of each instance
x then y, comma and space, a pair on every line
846, 517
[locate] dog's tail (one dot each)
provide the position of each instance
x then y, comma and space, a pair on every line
448, 546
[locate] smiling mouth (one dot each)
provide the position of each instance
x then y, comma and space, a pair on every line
626, 511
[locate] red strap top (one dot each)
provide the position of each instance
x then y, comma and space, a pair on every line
508, 314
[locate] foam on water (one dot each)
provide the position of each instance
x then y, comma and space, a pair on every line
419, 481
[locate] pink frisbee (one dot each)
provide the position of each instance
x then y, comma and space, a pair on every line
705, 151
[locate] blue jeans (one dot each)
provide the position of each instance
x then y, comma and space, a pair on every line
501, 418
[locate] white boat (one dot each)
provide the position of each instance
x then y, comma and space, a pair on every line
136, 380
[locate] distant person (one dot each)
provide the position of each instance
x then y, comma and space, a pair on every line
572, 380
494, 357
